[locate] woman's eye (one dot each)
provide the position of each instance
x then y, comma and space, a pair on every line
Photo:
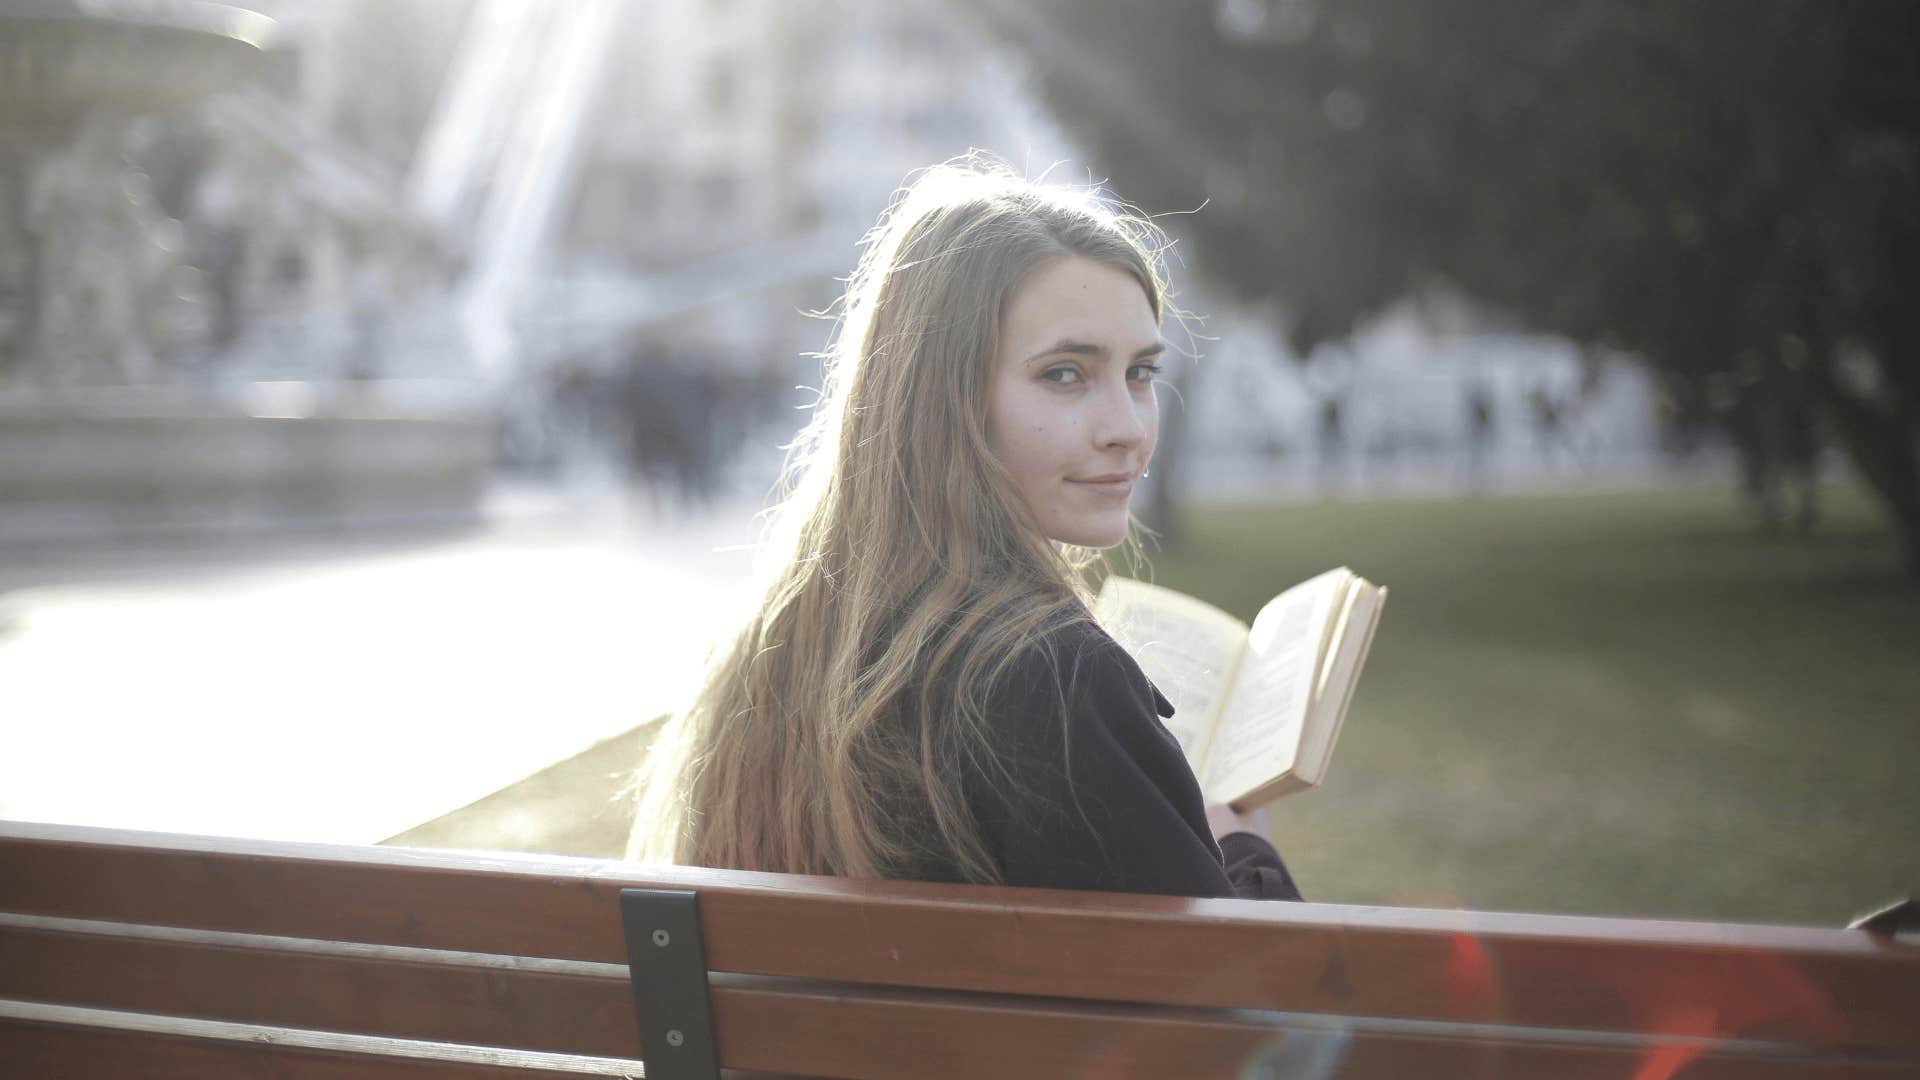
1143, 373
1063, 375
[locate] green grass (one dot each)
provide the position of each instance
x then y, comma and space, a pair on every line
1620, 704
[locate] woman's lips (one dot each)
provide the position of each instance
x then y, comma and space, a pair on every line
1118, 484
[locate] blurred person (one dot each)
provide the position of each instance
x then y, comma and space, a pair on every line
1682, 420
668, 412
1480, 435
921, 691
1330, 379
1799, 461
1769, 416
1331, 437
1550, 428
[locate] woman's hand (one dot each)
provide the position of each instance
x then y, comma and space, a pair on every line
1224, 819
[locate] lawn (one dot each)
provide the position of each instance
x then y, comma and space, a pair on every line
1614, 704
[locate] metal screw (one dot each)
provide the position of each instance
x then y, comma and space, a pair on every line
674, 1038
660, 938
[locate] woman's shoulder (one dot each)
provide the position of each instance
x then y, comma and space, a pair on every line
1073, 666
1093, 792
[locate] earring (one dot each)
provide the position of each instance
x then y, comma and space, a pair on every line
1145, 472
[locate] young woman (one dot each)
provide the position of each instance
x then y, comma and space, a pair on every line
921, 692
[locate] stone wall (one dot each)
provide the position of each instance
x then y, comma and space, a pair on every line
95, 472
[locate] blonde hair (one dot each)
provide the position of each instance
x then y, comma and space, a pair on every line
831, 734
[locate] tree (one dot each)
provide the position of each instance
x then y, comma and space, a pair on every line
1729, 189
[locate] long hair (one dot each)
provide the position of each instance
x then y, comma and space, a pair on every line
831, 733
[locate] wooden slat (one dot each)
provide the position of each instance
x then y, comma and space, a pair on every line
1831, 987
883, 1034
820, 1029
161, 1049
36, 1050
399, 993
878, 1036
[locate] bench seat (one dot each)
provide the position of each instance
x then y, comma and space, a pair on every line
141, 954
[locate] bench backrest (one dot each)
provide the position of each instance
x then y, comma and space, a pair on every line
121, 948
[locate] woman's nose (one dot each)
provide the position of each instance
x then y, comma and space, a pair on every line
1122, 419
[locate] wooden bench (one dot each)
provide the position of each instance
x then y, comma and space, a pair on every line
139, 954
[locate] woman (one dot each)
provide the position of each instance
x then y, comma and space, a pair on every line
921, 692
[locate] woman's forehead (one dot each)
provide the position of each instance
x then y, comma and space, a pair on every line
1079, 300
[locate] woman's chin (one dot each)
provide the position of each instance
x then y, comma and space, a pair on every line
1097, 535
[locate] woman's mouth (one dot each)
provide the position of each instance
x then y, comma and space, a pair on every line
1116, 484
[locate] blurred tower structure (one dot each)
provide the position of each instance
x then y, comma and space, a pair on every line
305, 185
91, 265
238, 227
199, 349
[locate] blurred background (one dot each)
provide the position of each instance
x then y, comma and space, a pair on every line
387, 392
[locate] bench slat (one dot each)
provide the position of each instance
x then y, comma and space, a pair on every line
879, 1037
1022, 1040
152, 1050
408, 997
826, 1030
1829, 986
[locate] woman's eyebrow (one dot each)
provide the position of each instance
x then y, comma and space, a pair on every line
1087, 348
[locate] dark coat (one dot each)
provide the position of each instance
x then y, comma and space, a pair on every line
1102, 798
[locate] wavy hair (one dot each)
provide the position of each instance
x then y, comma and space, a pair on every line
830, 735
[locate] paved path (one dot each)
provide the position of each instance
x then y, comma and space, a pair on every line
344, 689
473, 688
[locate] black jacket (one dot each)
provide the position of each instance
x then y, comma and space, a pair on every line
1102, 797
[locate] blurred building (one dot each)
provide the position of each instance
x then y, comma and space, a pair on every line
737, 152
643, 201
316, 244
173, 237
1427, 397
739, 149
198, 279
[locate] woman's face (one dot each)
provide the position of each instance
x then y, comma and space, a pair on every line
1070, 406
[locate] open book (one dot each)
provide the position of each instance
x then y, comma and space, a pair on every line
1256, 710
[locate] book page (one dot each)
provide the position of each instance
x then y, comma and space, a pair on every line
1353, 637
1260, 727
1190, 649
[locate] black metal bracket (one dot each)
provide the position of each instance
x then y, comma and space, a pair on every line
667, 960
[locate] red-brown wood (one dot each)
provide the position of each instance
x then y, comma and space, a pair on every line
411, 998
828, 1030
884, 1036
1827, 987
878, 1034
63, 1052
